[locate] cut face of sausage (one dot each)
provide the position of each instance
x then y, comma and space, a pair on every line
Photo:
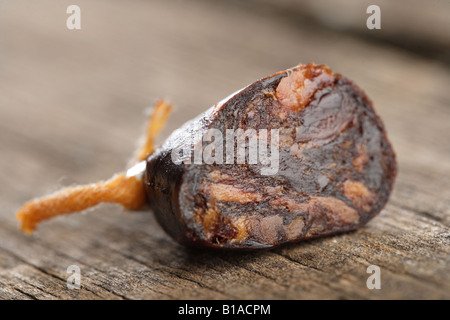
297, 155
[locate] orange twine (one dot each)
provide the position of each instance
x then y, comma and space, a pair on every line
121, 189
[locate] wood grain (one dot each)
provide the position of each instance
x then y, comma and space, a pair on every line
72, 107
407, 24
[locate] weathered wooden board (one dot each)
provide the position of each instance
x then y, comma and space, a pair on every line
409, 24
72, 107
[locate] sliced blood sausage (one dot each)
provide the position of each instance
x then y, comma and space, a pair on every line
334, 171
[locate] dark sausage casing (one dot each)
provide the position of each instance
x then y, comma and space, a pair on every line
335, 166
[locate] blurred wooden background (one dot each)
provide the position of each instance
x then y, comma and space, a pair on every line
72, 107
